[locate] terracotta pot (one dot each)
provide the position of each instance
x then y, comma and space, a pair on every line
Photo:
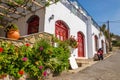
13, 34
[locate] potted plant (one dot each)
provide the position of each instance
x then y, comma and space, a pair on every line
72, 42
12, 31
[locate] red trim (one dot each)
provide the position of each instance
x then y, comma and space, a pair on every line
61, 30
96, 43
80, 44
33, 25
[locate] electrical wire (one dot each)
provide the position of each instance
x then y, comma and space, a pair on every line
116, 21
110, 21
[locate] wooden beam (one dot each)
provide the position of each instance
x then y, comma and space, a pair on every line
16, 12
17, 4
36, 3
2, 14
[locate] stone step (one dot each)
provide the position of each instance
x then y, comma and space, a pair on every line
83, 62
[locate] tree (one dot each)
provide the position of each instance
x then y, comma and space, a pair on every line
104, 30
107, 34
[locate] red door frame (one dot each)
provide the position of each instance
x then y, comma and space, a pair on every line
33, 24
61, 30
80, 44
96, 42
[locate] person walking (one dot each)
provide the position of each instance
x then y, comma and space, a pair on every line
100, 54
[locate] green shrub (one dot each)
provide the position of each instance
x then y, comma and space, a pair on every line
34, 61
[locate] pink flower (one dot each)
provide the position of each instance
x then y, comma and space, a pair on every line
40, 67
45, 73
41, 48
24, 59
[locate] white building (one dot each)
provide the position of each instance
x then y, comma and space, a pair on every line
63, 19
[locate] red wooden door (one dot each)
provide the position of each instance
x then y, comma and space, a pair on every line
61, 31
33, 25
80, 44
96, 43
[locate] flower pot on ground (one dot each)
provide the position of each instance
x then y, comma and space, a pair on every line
12, 32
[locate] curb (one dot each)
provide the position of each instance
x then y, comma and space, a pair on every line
82, 68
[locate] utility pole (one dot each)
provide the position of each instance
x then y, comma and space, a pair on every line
110, 47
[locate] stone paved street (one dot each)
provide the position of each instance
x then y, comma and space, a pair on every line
108, 69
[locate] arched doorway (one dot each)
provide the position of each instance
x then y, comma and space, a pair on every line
80, 44
61, 30
102, 42
33, 24
96, 43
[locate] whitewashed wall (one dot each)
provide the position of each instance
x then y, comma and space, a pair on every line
89, 37
96, 31
102, 37
75, 24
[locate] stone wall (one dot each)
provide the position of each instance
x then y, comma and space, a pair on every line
32, 38
23, 40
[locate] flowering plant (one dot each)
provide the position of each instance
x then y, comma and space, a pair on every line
72, 41
16, 61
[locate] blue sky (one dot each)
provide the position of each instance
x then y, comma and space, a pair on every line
104, 10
